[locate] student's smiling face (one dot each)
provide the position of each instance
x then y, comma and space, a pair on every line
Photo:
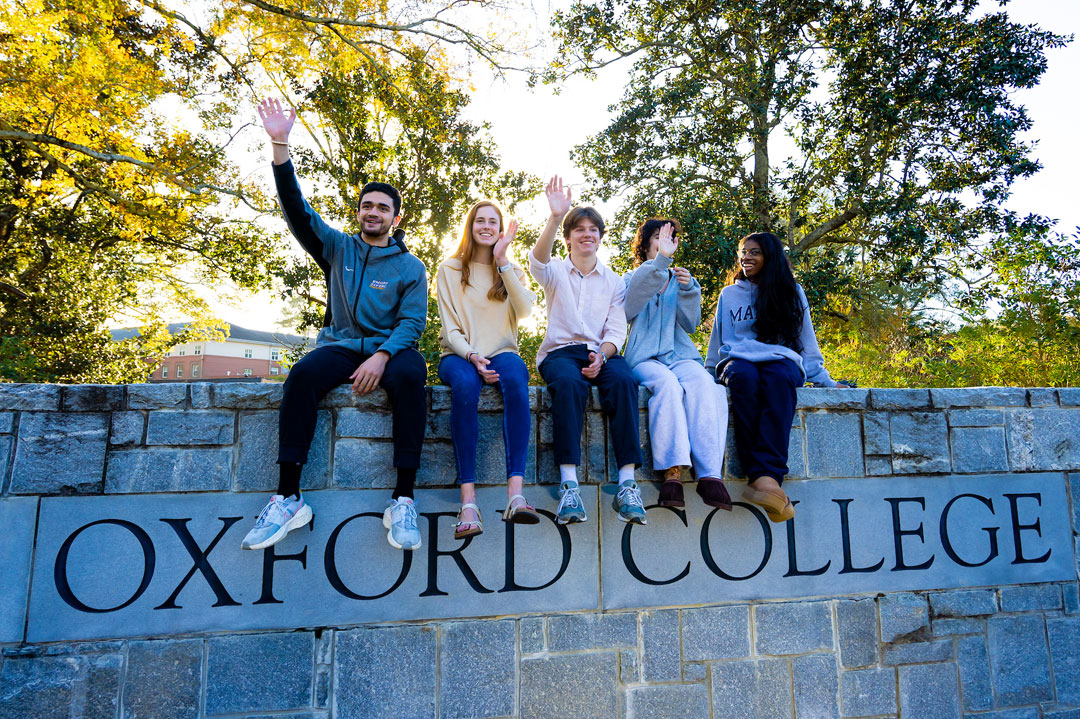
751, 258
376, 214
486, 225
584, 239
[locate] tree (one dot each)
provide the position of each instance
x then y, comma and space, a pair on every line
118, 192
886, 126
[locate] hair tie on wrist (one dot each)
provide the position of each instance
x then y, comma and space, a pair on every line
277, 142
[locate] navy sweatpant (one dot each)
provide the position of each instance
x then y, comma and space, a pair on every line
569, 390
762, 407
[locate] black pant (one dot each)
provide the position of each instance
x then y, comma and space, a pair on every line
324, 368
763, 406
569, 390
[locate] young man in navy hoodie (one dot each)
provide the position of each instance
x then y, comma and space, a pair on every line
376, 311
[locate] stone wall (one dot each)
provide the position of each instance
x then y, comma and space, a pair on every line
1007, 649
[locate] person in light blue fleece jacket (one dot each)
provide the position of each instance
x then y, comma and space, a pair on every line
688, 412
763, 347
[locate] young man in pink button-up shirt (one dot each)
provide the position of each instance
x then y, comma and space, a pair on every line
586, 328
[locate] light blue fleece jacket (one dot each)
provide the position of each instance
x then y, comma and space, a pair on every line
733, 336
377, 296
661, 319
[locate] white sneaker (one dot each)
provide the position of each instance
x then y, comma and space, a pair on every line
399, 518
279, 517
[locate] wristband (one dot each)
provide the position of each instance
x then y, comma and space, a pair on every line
276, 142
504, 268
468, 356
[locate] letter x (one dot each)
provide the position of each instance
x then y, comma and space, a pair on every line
200, 563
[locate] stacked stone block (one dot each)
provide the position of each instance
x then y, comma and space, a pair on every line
1005, 652
901, 655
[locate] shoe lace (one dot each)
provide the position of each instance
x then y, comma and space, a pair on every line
570, 498
404, 514
630, 495
273, 513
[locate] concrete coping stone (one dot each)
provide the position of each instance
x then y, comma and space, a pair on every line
945, 397
886, 398
34, 397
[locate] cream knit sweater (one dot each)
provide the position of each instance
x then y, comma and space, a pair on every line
470, 321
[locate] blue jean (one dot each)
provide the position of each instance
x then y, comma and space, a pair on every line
465, 385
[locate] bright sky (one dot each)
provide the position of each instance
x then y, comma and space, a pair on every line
536, 129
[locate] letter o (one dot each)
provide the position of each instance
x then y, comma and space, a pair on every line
60, 567
706, 551
330, 562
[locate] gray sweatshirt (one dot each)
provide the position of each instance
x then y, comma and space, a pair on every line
733, 336
377, 295
661, 319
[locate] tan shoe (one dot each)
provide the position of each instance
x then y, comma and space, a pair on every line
774, 501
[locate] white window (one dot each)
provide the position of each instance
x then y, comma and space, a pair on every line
247, 354
273, 370
179, 371
274, 355
198, 349
183, 352
247, 372
164, 371
194, 371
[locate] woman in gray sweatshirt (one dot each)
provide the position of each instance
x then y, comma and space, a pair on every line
763, 348
687, 410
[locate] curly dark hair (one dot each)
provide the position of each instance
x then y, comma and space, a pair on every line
778, 310
640, 247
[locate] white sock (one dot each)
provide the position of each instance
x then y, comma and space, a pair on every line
626, 474
568, 473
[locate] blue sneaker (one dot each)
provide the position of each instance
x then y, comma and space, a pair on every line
399, 518
570, 509
628, 503
279, 517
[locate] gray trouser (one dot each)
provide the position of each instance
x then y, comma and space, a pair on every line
688, 416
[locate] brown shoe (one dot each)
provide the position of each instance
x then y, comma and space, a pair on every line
671, 494
714, 493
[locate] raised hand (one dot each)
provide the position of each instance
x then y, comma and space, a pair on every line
559, 197
277, 123
666, 243
503, 243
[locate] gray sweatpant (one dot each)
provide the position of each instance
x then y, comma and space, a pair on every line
688, 416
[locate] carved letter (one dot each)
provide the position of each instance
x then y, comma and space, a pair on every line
510, 585
1017, 528
845, 538
60, 578
628, 555
943, 529
433, 559
792, 556
330, 562
270, 558
706, 552
200, 563
899, 533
